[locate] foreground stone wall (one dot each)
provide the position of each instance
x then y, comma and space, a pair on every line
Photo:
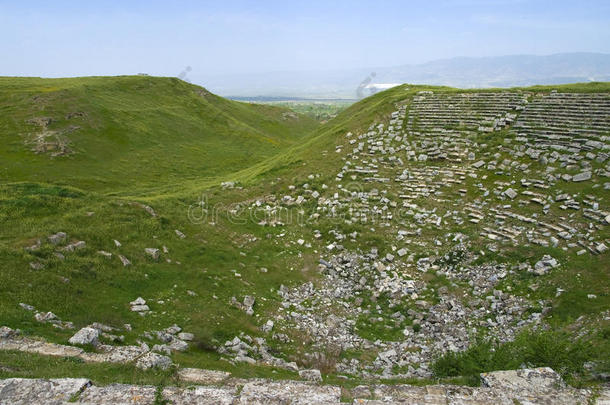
527, 386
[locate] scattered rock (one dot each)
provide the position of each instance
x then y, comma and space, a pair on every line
186, 336
85, 336
544, 265
27, 306
172, 330
147, 208
139, 305
154, 360
178, 345
107, 255
36, 246
58, 238
248, 304
125, 261
583, 176
7, 333
153, 253
510, 193
311, 375
268, 326
75, 246
45, 317
36, 266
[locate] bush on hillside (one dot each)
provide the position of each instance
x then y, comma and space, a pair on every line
557, 350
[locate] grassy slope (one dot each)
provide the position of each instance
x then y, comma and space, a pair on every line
136, 131
316, 152
99, 289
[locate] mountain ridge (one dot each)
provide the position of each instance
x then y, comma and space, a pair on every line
344, 83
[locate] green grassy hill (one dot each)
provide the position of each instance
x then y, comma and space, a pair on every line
144, 148
116, 133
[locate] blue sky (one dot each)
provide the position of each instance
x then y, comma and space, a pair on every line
70, 38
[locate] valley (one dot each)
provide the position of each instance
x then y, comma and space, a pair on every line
157, 235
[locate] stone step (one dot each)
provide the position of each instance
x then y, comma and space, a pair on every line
533, 386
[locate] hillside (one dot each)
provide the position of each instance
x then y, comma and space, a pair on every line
425, 234
112, 134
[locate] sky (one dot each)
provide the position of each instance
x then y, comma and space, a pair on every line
82, 38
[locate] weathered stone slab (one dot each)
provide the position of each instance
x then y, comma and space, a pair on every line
583, 176
52, 349
119, 394
200, 395
39, 347
201, 376
16, 391
510, 193
525, 380
114, 354
449, 394
288, 392
474, 396
411, 394
538, 386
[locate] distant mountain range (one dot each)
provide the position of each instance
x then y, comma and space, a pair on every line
502, 71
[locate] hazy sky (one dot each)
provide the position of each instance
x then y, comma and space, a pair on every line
73, 38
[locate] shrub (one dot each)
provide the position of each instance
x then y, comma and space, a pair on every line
325, 361
531, 348
554, 349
